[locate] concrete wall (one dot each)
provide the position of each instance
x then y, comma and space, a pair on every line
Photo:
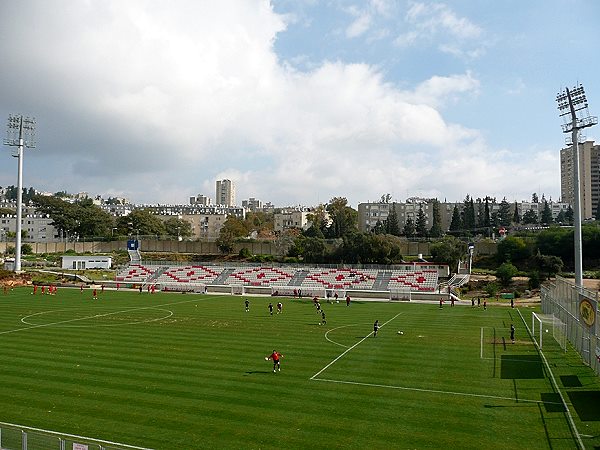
208, 247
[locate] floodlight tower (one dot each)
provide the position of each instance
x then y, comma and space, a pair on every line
573, 108
20, 133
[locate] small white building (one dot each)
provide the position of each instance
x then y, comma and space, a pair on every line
86, 262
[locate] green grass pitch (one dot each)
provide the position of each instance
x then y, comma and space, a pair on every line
174, 371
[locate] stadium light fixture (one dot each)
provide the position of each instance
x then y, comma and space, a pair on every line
573, 109
20, 133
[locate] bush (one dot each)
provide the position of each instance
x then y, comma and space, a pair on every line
26, 249
505, 273
245, 253
491, 289
534, 280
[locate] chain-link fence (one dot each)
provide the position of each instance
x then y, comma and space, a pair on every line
578, 309
18, 437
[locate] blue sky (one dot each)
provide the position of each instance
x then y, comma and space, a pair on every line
296, 101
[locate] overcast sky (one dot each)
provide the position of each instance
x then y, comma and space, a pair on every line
296, 101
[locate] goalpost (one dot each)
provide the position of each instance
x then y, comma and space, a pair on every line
237, 289
542, 324
403, 293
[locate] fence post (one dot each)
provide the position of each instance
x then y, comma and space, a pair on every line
23, 440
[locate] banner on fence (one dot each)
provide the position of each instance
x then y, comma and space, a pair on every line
587, 311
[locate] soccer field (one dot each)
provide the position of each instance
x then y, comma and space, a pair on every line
182, 371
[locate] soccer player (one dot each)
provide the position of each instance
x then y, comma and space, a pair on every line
323, 320
95, 295
271, 308
375, 328
247, 305
276, 357
81, 289
347, 300
512, 333
279, 307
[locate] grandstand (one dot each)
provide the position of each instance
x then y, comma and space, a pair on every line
261, 276
346, 279
416, 278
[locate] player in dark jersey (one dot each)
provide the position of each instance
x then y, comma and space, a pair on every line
375, 328
271, 308
247, 304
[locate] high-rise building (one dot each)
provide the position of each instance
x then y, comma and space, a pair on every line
225, 193
589, 175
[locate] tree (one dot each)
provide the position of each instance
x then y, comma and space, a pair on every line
177, 227
560, 217
547, 265
449, 251
409, 227
455, 223
534, 198
530, 217
569, 215
546, 218
505, 273
392, 226
318, 217
436, 227
512, 249
379, 228
504, 215
468, 219
516, 218
344, 219
421, 224
140, 222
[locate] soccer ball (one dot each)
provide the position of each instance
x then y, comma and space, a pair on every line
546, 330
266, 359
400, 332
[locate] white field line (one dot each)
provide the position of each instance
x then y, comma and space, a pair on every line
169, 314
73, 436
555, 385
433, 391
94, 316
337, 328
350, 348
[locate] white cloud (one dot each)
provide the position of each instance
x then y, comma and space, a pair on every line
155, 103
427, 23
360, 25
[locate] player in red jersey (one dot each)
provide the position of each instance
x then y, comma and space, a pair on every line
276, 357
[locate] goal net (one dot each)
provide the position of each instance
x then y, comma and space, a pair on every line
548, 330
400, 293
237, 289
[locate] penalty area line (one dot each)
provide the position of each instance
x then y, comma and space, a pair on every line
434, 391
348, 349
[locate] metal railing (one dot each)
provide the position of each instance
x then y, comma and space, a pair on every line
578, 308
20, 437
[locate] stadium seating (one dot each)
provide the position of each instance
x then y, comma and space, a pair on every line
419, 280
261, 276
340, 278
136, 273
190, 274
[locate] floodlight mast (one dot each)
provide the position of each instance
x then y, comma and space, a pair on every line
20, 133
574, 103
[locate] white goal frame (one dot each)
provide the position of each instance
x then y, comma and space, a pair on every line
545, 323
238, 289
400, 294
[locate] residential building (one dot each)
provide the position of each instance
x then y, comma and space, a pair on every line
252, 204
200, 200
225, 193
589, 176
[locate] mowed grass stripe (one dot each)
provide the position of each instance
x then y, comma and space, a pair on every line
198, 379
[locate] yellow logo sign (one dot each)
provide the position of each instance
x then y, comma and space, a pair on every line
587, 312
